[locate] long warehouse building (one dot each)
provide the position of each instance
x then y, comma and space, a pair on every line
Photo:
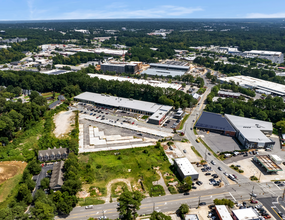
254, 83
157, 112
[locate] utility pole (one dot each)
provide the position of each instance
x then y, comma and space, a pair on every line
199, 201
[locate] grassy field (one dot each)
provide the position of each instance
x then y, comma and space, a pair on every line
49, 94
195, 151
132, 164
12, 170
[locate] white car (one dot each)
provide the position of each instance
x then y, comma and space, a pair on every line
213, 162
253, 194
226, 174
89, 207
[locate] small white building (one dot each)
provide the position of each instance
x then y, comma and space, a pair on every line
245, 214
185, 168
276, 159
223, 212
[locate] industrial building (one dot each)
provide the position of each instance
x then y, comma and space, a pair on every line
153, 83
274, 56
223, 213
245, 214
185, 168
254, 83
158, 111
165, 70
266, 162
250, 132
215, 123
229, 94
120, 67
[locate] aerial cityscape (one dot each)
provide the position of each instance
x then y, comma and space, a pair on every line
160, 112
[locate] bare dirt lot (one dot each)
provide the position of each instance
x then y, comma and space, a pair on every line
63, 121
10, 174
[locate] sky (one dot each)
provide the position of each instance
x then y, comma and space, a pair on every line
95, 9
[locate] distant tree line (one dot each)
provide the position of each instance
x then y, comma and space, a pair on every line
80, 81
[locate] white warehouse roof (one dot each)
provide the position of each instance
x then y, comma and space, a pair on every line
246, 214
251, 82
185, 166
121, 102
263, 52
138, 81
251, 129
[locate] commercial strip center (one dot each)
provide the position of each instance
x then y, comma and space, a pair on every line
157, 112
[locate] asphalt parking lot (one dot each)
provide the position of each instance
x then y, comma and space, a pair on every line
220, 143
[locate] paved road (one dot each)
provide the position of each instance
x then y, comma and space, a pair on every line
41, 176
172, 202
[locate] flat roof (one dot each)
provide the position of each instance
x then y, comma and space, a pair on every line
245, 214
251, 82
160, 72
55, 72
160, 113
209, 120
276, 158
264, 52
269, 164
229, 93
191, 217
223, 212
137, 81
161, 65
117, 102
251, 129
185, 166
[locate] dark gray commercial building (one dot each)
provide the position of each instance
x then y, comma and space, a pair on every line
120, 68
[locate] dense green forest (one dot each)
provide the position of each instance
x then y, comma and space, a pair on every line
233, 70
70, 81
10, 55
78, 58
268, 109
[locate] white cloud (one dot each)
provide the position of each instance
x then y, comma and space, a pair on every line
158, 12
260, 15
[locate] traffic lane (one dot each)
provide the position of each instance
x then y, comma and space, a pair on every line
147, 208
267, 203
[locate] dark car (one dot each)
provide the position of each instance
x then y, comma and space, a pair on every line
209, 154
219, 168
281, 184
277, 182
202, 203
207, 174
203, 170
186, 194
244, 203
194, 187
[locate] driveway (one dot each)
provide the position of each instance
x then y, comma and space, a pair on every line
41, 176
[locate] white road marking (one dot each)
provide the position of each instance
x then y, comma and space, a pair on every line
232, 196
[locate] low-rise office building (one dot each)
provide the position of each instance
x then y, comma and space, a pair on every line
157, 111
120, 67
53, 154
185, 168
223, 213
245, 214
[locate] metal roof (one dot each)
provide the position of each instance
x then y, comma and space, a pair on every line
251, 129
161, 72
167, 66
269, 164
120, 102
209, 120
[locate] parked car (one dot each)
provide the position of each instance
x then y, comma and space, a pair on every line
253, 201
207, 174
281, 184
202, 203
193, 187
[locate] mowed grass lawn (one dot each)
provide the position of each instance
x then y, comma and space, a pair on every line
107, 166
